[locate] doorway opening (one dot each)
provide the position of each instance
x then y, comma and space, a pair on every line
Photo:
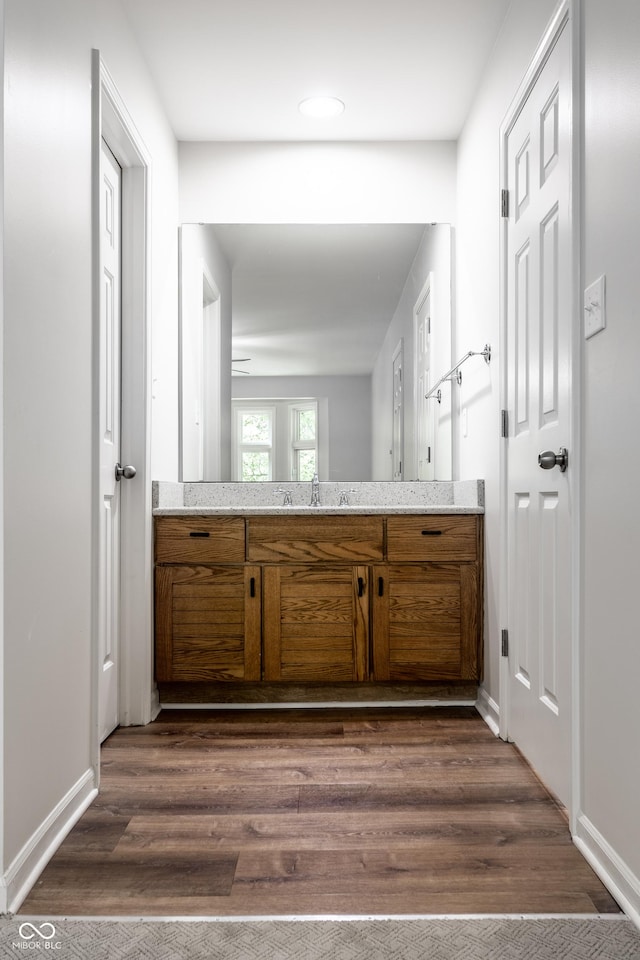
113, 125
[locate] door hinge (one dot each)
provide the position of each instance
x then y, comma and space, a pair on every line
504, 203
504, 423
505, 643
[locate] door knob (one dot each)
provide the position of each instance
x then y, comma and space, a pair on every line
127, 472
548, 460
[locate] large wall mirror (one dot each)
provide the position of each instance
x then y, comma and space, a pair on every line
309, 347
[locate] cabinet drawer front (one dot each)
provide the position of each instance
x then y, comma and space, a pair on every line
314, 538
199, 539
432, 538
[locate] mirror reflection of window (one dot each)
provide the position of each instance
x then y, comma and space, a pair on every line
254, 443
304, 443
275, 440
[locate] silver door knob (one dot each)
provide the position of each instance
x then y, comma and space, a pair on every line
127, 472
548, 460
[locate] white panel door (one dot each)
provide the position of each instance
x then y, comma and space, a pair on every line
109, 426
539, 281
424, 408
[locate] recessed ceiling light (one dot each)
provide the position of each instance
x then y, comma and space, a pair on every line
321, 107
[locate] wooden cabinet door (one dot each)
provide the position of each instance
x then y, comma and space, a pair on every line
208, 623
425, 621
316, 622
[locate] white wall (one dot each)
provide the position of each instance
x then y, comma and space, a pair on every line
2, 634
47, 382
611, 411
433, 258
477, 244
317, 182
48, 394
349, 415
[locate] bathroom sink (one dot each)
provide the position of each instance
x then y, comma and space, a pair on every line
374, 497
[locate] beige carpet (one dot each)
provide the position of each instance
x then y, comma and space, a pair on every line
594, 938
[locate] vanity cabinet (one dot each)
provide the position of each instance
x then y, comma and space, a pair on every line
427, 600
207, 601
319, 599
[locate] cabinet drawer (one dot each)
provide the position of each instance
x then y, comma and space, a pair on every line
434, 537
199, 539
346, 538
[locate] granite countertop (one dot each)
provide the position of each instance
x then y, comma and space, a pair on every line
366, 497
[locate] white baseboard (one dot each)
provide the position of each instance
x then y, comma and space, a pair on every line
621, 882
41, 846
489, 711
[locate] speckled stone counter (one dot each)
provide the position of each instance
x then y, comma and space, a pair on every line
372, 497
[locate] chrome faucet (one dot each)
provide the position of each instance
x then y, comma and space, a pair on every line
315, 491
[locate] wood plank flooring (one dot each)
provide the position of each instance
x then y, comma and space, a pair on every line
316, 812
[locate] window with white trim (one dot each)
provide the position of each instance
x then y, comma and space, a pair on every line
254, 441
275, 439
304, 440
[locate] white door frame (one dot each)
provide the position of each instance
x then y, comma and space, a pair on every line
112, 122
566, 16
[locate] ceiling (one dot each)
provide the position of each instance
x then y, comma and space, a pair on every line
314, 299
237, 69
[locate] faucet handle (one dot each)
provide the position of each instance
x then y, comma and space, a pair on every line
344, 497
287, 502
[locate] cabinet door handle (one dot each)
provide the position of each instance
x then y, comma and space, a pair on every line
381, 586
432, 533
360, 586
198, 533
252, 587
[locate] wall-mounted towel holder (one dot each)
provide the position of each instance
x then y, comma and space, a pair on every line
449, 375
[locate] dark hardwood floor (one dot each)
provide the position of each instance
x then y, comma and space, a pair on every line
312, 812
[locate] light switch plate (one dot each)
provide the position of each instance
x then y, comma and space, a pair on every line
595, 318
